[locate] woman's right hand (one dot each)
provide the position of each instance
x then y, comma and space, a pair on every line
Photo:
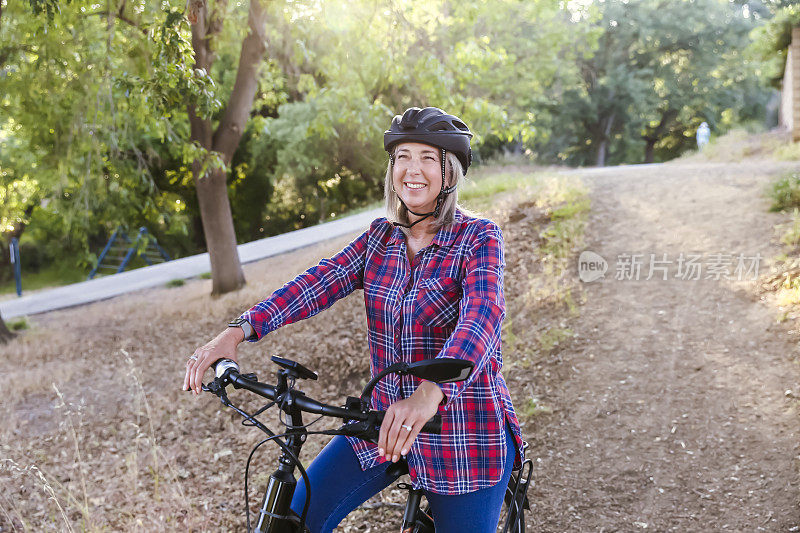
222, 346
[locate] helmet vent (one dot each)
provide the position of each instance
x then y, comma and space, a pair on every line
439, 126
409, 120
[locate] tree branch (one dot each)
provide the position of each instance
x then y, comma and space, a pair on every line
216, 18
231, 127
119, 16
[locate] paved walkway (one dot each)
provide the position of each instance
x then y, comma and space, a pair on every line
183, 268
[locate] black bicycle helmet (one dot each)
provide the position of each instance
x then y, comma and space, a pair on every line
431, 126
436, 128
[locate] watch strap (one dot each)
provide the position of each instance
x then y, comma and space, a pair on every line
249, 332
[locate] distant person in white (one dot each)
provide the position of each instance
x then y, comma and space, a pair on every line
703, 134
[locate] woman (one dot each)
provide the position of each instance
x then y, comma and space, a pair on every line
433, 287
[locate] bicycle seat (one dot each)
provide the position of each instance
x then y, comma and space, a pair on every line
400, 468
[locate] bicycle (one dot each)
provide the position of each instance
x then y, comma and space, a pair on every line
275, 515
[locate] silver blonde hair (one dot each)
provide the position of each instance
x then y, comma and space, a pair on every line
396, 212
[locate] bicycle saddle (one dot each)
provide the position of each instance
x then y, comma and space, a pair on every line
400, 468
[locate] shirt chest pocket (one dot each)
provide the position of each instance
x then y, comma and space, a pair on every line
437, 304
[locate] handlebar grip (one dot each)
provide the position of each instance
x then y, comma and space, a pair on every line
434, 425
221, 365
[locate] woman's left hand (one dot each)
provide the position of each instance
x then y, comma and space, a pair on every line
395, 437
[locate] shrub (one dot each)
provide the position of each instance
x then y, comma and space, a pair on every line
785, 192
18, 324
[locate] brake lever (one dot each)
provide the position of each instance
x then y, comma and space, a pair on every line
217, 388
213, 387
364, 430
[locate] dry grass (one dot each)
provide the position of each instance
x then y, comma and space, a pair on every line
739, 144
97, 436
783, 279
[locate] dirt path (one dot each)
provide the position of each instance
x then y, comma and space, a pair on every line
670, 409
676, 415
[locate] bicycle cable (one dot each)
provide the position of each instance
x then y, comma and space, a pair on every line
287, 450
250, 457
254, 415
253, 422
247, 473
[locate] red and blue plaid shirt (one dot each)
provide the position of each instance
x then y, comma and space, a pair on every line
447, 302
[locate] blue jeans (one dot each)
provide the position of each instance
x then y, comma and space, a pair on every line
338, 486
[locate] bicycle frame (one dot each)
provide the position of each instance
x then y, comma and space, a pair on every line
275, 514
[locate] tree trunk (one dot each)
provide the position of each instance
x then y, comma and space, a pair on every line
5, 334
649, 150
215, 207
652, 135
212, 191
602, 145
600, 161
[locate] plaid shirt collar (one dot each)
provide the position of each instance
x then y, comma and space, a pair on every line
443, 238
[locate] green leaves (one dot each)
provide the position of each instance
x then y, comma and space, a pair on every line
95, 99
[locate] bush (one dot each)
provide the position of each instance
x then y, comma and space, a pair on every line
18, 324
785, 193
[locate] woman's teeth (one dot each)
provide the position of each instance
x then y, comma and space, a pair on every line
415, 185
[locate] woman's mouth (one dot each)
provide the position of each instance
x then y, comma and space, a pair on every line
413, 185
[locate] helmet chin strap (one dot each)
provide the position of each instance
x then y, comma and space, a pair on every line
439, 198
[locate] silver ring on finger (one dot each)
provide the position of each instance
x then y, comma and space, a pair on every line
406, 427
193, 358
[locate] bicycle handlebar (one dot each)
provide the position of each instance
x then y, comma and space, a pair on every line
230, 370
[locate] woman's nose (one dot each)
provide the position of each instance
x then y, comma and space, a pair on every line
415, 165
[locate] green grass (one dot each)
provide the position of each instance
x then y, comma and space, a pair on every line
535, 407
477, 193
785, 192
552, 337
175, 283
205, 275
787, 152
53, 275
565, 234
18, 324
790, 232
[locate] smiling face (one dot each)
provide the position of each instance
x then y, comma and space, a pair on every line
417, 175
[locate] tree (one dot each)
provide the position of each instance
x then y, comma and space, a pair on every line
74, 131
657, 70
146, 74
700, 73
212, 192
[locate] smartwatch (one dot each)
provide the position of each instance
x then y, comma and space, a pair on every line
249, 332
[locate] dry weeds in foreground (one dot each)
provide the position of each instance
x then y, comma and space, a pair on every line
98, 436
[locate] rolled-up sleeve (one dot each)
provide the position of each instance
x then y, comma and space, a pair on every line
482, 308
314, 290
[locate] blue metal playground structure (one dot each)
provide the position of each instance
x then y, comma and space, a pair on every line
120, 251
